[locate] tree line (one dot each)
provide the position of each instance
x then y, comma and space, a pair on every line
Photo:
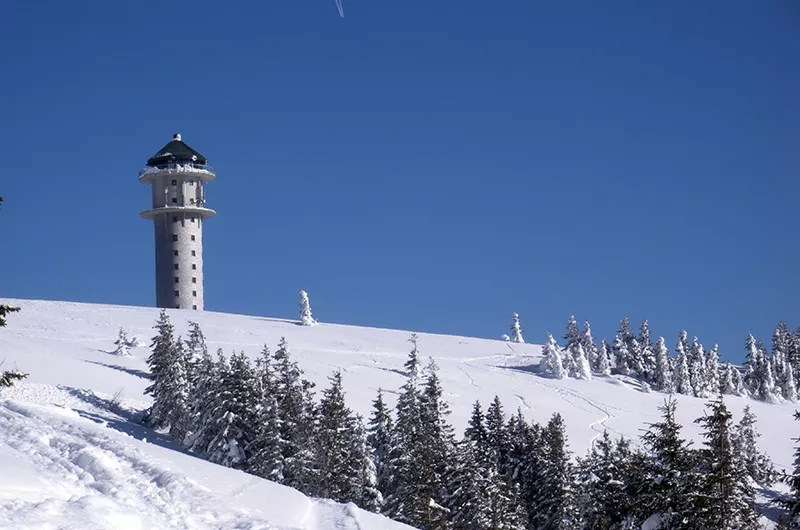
692, 371
407, 463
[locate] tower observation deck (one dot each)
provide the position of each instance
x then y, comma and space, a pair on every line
177, 175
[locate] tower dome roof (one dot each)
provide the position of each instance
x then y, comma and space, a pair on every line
176, 151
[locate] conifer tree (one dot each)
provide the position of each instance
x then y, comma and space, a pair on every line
622, 357
603, 361
169, 387
266, 459
364, 489
662, 372
553, 365
305, 310
476, 431
792, 502
712, 370
122, 344
697, 369
555, 507
202, 398
336, 470
589, 345
648, 353
667, 479
745, 448
497, 437
788, 385
516, 329
234, 418
681, 381
380, 437
726, 498
297, 418
579, 365
604, 498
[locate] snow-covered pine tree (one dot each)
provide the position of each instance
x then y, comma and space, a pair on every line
603, 366
712, 370
758, 378
380, 438
697, 369
365, 488
298, 417
122, 344
788, 385
589, 345
169, 387
667, 478
603, 478
744, 438
662, 372
516, 329
636, 356
648, 355
555, 506
196, 349
622, 357
412, 364
476, 433
681, 381
579, 365
553, 364
305, 310
202, 398
782, 346
726, 498
497, 437
335, 469
234, 417
265, 459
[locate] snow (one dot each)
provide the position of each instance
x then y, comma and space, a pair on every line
71, 450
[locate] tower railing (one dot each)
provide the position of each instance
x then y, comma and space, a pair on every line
174, 167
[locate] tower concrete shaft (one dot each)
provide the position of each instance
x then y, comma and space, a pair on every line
178, 174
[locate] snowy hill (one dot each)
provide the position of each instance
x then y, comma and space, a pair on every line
69, 451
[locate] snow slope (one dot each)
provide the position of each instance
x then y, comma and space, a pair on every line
74, 454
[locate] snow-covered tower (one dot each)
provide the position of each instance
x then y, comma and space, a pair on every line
177, 174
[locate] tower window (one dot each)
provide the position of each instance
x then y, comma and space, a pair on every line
191, 201
175, 237
194, 280
194, 293
193, 218
174, 182
175, 252
174, 218
177, 293
177, 306
174, 200
192, 237
194, 307
194, 267
176, 279
176, 266
191, 183
194, 253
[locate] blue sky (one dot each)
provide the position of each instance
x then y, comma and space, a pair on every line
418, 165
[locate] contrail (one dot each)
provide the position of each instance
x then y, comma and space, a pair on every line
340, 8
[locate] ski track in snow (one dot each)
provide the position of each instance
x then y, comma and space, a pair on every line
101, 482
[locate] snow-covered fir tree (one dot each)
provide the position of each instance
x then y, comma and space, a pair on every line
122, 344
234, 417
516, 329
555, 506
201, 402
792, 501
603, 366
681, 381
380, 437
266, 459
667, 478
697, 369
648, 355
731, 381
621, 355
169, 387
305, 310
712, 371
662, 371
589, 345
726, 499
579, 365
744, 438
297, 420
553, 364
603, 479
